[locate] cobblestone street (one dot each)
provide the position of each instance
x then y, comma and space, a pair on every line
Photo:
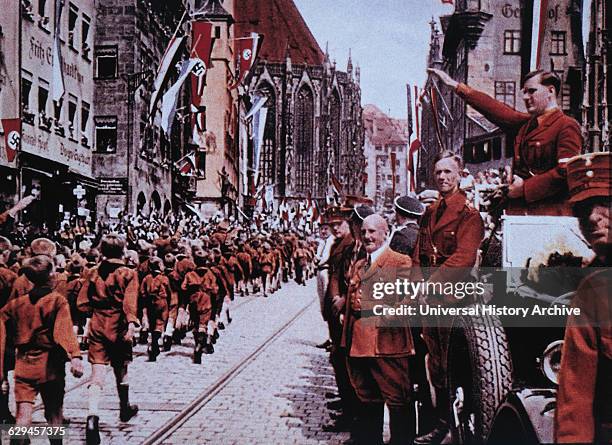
276, 397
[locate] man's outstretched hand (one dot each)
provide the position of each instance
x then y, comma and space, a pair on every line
444, 78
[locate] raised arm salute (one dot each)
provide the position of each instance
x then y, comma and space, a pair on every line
544, 138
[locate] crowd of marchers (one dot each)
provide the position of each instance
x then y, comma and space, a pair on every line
137, 281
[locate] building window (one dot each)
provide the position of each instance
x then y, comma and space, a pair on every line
267, 161
72, 116
304, 129
85, 110
26, 88
85, 27
512, 41
43, 98
73, 15
497, 149
106, 134
334, 111
43, 16
505, 92
106, 62
557, 47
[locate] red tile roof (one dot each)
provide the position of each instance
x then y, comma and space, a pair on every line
282, 26
384, 130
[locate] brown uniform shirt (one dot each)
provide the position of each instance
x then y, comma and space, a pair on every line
111, 296
42, 324
539, 144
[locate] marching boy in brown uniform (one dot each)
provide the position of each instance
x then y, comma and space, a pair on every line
111, 297
155, 293
43, 339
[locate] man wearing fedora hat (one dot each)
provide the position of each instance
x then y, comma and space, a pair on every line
408, 210
584, 397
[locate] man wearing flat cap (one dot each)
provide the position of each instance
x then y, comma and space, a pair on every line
584, 397
408, 210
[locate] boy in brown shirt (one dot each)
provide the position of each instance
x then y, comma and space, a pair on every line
44, 340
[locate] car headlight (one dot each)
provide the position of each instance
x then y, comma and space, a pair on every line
550, 363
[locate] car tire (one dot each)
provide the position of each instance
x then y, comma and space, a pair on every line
479, 376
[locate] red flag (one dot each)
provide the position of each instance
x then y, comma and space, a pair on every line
12, 137
337, 185
247, 49
201, 47
187, 164
447, 2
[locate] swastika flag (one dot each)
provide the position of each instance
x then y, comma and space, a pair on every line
12, 137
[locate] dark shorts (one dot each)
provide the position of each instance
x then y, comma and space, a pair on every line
52, 392
103, 352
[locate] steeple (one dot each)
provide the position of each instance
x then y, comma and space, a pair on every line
213, 10
434, 45
349, 65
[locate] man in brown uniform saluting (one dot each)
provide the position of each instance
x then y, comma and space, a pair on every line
111, 297
544, 136
447, 246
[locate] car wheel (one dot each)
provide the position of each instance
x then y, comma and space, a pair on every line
479, 376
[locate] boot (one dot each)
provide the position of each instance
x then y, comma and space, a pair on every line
221, 326
208, 346
177, 337
402, 425
5, 413
229, 319
198, 348
215, 337
92, 432
126, 411
368, 428
154, 346
143, 338
441, 430
167, 343
435, 436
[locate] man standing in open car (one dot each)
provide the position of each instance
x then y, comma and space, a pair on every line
584, 398
544, 136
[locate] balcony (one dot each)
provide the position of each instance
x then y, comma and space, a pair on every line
464, 26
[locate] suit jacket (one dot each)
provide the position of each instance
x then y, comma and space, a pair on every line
537, 151
451, 243
377, 336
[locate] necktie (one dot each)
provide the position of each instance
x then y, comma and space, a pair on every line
440, 211
369, 262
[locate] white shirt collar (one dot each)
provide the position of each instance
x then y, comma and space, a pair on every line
374, 255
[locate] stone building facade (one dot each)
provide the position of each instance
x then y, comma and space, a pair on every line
314, 124
487, 45
385, 138
47, 54
133, 160
597, 102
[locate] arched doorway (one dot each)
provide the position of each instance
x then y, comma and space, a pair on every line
155, 202
141, 202
167, 208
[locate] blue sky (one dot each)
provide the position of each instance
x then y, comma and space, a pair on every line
389, 40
